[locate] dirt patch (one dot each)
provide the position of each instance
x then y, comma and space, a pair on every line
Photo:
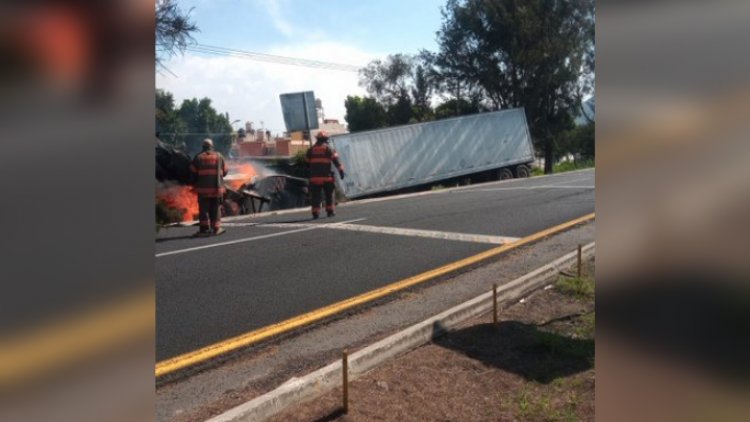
536, 364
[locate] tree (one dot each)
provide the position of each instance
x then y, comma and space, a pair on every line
364, 113
201, 120
195, 120
536, 54
173, 30
581, 141
386, 81
402, 86
169, 126
402, 111
448, 83
456, 107
421, 93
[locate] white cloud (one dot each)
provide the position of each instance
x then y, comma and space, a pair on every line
249, 89
273, 8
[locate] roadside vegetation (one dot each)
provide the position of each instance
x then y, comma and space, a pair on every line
582, 287
565, 166
535, 364
568, 338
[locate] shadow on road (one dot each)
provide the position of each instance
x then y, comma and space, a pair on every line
169, 239
520, 348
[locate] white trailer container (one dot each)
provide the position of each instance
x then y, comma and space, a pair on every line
495, 144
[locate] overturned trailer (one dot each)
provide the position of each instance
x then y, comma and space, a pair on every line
485, 146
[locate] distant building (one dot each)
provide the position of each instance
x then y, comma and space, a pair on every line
332, 126
257, 143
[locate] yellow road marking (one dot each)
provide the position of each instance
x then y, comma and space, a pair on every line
201, 355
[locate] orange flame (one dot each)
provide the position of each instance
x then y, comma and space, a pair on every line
182, 198
239, 175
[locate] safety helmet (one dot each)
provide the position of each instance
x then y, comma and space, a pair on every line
208, 143
322, 135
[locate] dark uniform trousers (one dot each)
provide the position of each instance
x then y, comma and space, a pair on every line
316, 191
208, 213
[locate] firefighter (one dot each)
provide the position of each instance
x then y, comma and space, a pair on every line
320, 157
208, 169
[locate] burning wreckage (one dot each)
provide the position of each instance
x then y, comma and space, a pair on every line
250, 187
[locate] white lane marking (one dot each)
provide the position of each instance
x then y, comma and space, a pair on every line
531, 188
291, 225
250, 239
232, 242
432, 234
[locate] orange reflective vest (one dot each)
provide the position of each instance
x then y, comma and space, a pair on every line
209, 168
320, 156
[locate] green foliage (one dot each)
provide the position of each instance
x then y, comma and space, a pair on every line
573, 165
538, 56
456, 107
540, 404
446, 80
420, 94
574, 286
402, 86
201, 121
173, 30
299, 158
170, 127
388, 81
587, 328
195, 120
401, 112
565, 166
582, 141
364, 113
298, 166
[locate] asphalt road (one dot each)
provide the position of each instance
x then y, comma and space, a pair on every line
268, 269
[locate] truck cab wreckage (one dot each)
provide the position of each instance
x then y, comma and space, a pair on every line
248, 189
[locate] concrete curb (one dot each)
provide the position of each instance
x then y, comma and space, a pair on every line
298, 390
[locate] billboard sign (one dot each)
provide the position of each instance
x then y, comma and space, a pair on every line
299, 111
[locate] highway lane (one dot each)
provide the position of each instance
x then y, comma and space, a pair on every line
271, 268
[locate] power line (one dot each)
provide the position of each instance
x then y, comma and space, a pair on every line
196, 133
270, 58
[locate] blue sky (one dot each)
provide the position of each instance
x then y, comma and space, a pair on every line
340, 31
376, 25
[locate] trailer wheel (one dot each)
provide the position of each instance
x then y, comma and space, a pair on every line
504, 174
522, 171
